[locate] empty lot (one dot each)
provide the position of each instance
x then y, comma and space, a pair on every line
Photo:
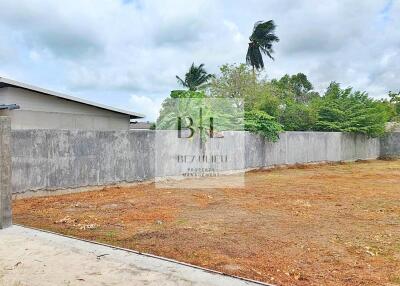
329, 224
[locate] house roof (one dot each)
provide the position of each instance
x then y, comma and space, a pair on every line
140, 125
4, 82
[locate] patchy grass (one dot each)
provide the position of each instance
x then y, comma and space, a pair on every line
315, 225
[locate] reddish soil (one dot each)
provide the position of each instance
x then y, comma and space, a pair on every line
317, 225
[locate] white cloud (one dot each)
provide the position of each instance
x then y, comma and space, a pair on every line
147, 105
234, 29
34, 55
113, 49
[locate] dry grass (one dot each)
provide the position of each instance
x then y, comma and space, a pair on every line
318, 225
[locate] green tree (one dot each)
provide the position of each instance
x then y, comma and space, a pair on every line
267, 101
196, 78
395, 101
172, 108
186, 103
292, 102
295, 88
298, 117
259, 122
236, 82
261, 41
346, 110
288, 99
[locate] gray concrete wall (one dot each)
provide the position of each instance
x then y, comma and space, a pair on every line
390, 145
5, 172
40, 111
57, 159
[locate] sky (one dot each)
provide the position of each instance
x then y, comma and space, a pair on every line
126, 53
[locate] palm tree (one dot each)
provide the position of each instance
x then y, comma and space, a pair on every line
196, 78
261, 41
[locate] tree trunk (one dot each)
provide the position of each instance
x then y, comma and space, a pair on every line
254, 88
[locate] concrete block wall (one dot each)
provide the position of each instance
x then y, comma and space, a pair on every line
390, 146
308, 147
62, 159
57, 159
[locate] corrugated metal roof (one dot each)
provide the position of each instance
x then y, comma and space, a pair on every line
8, 82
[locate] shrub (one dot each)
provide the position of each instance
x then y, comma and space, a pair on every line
261, 123
348, 111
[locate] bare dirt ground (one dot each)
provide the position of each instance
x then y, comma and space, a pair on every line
316, 225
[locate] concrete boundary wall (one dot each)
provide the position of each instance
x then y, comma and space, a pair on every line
308, 147
46, 160
58, 159
390, 145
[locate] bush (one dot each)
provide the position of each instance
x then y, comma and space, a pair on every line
298, 117
347, 111
261, 123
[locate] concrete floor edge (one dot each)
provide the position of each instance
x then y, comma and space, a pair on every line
147, 255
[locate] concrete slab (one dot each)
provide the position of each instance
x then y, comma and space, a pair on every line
32, 257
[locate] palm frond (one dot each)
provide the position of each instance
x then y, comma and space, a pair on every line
254, 57
181, 81
261, 41
195, 78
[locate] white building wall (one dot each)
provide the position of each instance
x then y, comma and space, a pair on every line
41, 111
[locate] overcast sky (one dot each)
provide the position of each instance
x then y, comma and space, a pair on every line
126, 53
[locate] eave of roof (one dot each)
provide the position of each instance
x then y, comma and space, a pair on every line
8, 82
